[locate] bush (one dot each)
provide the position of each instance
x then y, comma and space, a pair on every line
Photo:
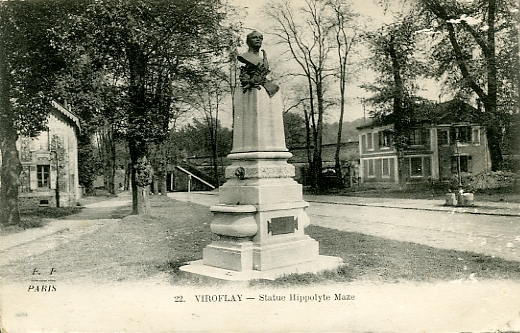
483, 182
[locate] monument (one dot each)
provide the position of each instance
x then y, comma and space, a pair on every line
260, 218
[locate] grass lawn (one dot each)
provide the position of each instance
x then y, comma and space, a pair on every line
139, 247
379, 259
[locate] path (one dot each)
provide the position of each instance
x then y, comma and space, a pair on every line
39, 240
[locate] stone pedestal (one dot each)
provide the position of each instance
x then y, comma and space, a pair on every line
451, 199
261, 214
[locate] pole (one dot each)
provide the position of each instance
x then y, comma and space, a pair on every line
57, 179
458, 163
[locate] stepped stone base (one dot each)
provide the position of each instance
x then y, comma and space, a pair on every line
245, 255
321, 263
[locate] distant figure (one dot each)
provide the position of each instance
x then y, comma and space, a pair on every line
254, 73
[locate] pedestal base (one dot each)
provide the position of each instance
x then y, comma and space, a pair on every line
321, 263
233, 255
287, 251
245, 255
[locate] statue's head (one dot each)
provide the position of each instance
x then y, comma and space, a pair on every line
254, 39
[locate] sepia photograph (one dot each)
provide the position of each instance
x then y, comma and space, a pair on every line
259, 166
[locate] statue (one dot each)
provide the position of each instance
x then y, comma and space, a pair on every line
254, 73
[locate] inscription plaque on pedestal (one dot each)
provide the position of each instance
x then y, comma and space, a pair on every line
282, 225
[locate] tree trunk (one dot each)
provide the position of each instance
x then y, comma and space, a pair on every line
337, 161
10, 176
318, 162
214, 158
137, 142
140, 186
162, 183
128, 176
109, 159
494, 129
112, 164
11, 167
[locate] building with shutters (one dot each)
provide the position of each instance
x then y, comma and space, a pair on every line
50, 162
449, 142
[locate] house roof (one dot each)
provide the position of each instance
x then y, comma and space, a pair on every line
454, 111
67, 113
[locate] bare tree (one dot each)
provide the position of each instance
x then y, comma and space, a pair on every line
346, 34
207, 98
309, 44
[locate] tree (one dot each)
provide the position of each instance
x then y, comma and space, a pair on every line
345, 38
309, 45
93, 90
295, 131
207, 97
29, 64
475, 30
156, 51
394, 91
195, 140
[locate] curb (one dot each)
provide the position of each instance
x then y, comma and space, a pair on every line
440, 209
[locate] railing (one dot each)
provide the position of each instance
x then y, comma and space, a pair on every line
191, 175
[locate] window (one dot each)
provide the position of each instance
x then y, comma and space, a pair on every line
384, 139
443, 137
371, 168
370, 141
42, 172
385, 166
419, 137
415, 137
416, 166
43, 141
475, 137
464, 163
462, 134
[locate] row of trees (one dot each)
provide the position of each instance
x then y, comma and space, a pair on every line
128, 68
471, 47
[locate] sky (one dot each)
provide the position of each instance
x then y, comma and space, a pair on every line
253, 19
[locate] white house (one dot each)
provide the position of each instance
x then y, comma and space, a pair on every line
452, 143
50, 162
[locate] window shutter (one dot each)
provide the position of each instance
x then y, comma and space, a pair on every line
425, 136
476, 136
427, 166
52, 177
33, 178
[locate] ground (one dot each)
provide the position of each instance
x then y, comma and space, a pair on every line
444, 247
126, 267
